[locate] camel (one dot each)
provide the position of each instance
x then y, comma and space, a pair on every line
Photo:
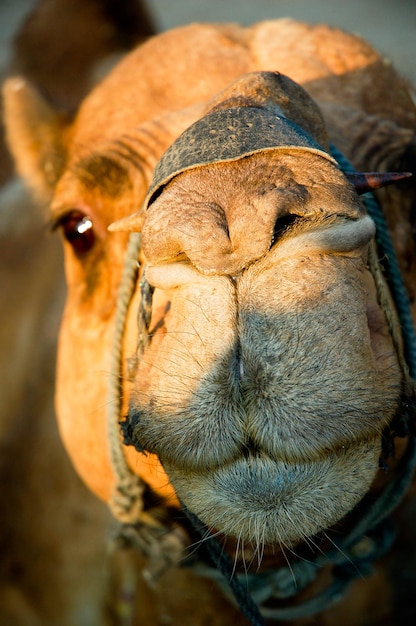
265, 399
51, 526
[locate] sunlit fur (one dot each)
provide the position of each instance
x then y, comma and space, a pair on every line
265, 392
270, 374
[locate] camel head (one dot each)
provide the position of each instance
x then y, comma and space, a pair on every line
270, 374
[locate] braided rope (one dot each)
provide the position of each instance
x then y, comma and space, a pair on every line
221, 560
395, 281
126, 501
392, 271
350, 559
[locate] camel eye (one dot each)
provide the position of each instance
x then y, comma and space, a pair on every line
77, 229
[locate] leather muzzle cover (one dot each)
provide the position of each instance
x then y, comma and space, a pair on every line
229, 135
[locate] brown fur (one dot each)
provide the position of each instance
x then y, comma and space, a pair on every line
51, 527
192, 369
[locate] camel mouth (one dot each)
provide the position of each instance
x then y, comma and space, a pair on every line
258, 499
262, 438
265, 394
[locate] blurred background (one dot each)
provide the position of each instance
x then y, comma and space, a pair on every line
388, 24
51, 529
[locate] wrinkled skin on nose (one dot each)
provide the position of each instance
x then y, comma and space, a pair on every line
270, 375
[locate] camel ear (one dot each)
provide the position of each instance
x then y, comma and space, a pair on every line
35, 136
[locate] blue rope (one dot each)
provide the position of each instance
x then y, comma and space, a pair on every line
374, 523
221, 560
392, 269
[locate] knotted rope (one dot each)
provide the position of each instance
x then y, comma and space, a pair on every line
126, 501
163, 546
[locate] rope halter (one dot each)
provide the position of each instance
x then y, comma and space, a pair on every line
226, 135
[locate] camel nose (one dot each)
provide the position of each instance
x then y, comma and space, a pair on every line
219, 232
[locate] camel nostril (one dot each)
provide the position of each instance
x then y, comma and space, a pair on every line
282, 225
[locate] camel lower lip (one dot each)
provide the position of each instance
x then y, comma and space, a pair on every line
259, 499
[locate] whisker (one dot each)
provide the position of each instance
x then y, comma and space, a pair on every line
345, 555
288, 563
